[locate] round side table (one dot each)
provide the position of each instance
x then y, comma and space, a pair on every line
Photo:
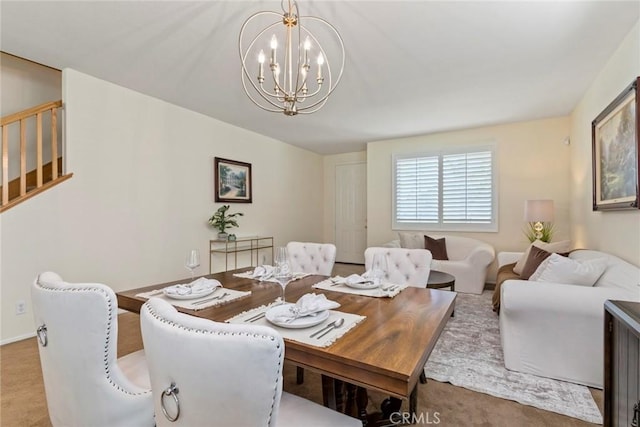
440, 279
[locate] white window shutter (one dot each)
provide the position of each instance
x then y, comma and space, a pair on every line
417, 190
446, 191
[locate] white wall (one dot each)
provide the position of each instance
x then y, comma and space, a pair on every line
24, 85
617, 232
141, 195
533, 163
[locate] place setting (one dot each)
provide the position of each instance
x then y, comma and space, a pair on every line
311, 320
370, 283
296, 320
265, 273
198, 294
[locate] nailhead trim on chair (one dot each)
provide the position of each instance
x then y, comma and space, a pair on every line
71, 288
155, 314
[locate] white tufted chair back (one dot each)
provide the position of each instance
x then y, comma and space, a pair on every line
84, 383
314, 258
405, 266
225, 374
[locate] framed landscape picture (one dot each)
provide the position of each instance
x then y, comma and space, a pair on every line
232, 181
615, 153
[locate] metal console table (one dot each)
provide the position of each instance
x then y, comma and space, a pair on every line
251, 244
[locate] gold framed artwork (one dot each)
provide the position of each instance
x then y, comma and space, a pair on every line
232, 181
615, 153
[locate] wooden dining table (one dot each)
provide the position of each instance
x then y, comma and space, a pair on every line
385, 352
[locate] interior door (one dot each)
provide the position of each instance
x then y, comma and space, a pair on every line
351, 212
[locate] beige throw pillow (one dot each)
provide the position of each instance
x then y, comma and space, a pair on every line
561, 246
411, 240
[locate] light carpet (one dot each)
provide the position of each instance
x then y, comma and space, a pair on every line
469, 354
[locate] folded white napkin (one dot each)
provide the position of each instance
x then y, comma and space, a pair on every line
197, 286
263, 271
354, 278
307, 305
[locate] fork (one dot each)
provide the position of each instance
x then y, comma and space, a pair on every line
211, 299
256, 317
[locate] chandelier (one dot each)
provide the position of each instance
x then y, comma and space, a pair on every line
299, 77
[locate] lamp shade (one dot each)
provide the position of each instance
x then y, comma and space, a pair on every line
538, 210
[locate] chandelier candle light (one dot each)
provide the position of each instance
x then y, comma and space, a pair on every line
292, 92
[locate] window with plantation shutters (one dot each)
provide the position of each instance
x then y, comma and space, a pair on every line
445, 191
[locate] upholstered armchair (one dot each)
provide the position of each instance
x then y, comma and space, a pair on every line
404, 266
205, 373
315, 258
85, 385
468, 259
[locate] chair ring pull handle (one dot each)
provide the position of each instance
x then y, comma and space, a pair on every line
173, 392
41, 332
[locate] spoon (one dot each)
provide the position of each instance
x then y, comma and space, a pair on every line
323, 328
335, 325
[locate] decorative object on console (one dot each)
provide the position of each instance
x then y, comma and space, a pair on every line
291, 93
615, 135
232, 181
222, 221
539, 215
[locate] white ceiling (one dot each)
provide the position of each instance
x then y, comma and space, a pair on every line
413, 67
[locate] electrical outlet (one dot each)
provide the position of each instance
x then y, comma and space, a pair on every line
21, 307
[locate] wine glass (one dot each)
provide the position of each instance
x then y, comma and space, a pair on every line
282, 272
379, 268
192, 261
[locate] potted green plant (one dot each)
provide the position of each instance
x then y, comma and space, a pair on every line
221, 220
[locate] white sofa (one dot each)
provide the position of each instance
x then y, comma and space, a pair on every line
557, 330
468, 258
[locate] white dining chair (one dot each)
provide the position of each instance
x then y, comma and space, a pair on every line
218, 374
314, 258
404, 266
85, 384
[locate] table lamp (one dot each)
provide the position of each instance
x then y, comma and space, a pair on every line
539, 215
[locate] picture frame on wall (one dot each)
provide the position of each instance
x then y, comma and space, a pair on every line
615, 149
232, 181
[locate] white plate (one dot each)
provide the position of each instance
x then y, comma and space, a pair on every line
195, 295
299, 323
366, 285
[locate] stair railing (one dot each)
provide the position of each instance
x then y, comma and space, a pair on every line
44, 176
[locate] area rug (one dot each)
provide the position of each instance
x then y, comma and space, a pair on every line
469, 354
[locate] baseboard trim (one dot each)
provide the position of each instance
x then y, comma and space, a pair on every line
18, 338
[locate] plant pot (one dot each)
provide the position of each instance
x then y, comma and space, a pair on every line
223, 236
